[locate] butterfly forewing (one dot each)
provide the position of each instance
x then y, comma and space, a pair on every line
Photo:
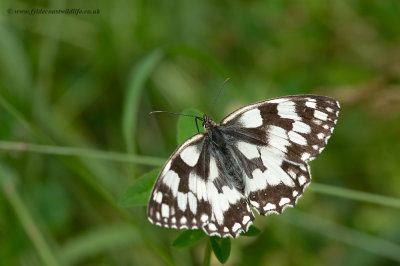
179, 198
256, 157
295, 128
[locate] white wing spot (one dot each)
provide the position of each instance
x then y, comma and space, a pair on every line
321, 135
302, 180
274, 173
201, 189
255, 203
297, 138
182, 201
325, 126
301, 127
287, 110
183, 220
320, 115
204, 218
190, 155
303, 168
226, 230
278, 138
283, 201
164, 210
173, 220
158, 197
330, 110
193, 177
194, 220
315, 147
245, 219
213, 170
311, 104
248, 150
269, 206
295, 193
212, 227
158, 215
317, 122
291, 173
251, 118
305, 156
171, 179
236, 227
192, 203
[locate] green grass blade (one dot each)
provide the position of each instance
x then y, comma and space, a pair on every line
7, 178
355, 195
81, 152
98, 240
138, 194
136, 84
376, 245
20, 118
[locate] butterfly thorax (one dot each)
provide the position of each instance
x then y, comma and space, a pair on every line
208, 123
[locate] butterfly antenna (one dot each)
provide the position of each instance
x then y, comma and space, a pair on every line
196, 117
153, 112
216, 98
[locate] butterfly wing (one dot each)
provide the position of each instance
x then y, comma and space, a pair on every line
274, 140
192, 192
179, 198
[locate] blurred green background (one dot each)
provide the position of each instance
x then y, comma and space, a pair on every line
89, 81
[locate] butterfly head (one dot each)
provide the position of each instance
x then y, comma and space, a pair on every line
208, 123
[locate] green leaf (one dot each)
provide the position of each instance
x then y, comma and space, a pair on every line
187, 238
187, 126
253, 231
136, 84
139, 192
221, 247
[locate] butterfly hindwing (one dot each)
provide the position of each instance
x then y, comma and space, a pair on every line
231, 213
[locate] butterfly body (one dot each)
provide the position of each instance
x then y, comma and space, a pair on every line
257, 156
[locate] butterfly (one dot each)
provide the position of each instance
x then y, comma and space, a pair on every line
256, 158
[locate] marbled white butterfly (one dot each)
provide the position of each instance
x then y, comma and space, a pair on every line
256, 157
